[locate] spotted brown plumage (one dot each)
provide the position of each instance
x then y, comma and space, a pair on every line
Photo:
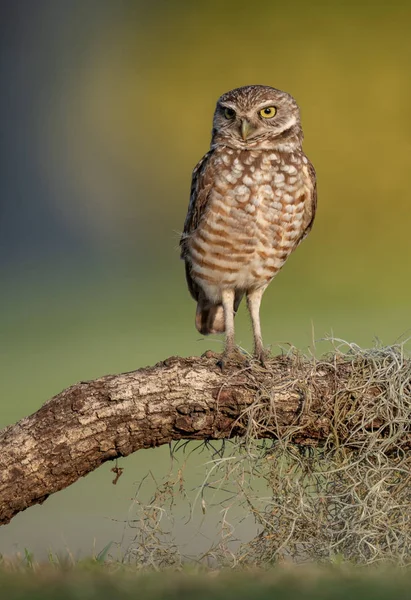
253, 200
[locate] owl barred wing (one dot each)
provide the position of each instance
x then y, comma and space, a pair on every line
311, 205
201, 184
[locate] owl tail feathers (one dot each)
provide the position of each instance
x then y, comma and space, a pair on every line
210, 318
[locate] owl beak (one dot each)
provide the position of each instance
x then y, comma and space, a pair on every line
246, 129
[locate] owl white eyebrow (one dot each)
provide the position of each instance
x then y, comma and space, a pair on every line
266, 105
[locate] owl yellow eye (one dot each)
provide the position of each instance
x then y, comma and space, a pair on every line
268, 112
229, 113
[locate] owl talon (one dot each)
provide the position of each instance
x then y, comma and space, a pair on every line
210, 354
262, 356
231, 359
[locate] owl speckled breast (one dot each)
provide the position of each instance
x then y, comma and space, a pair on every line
253, 219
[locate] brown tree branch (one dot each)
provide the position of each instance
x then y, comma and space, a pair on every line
180, 398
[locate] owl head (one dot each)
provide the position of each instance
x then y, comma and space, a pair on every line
257, 117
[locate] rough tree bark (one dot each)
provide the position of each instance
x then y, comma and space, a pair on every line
181, 398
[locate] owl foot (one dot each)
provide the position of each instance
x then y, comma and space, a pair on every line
262, 355
211, 354
231, 359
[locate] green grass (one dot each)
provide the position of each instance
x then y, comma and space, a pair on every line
91, 580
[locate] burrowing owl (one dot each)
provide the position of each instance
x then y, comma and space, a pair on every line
253, 200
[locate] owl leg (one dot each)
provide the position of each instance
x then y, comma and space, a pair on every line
253, 303
231, 357
228, 306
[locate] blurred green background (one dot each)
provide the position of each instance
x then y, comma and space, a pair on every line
106, 106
